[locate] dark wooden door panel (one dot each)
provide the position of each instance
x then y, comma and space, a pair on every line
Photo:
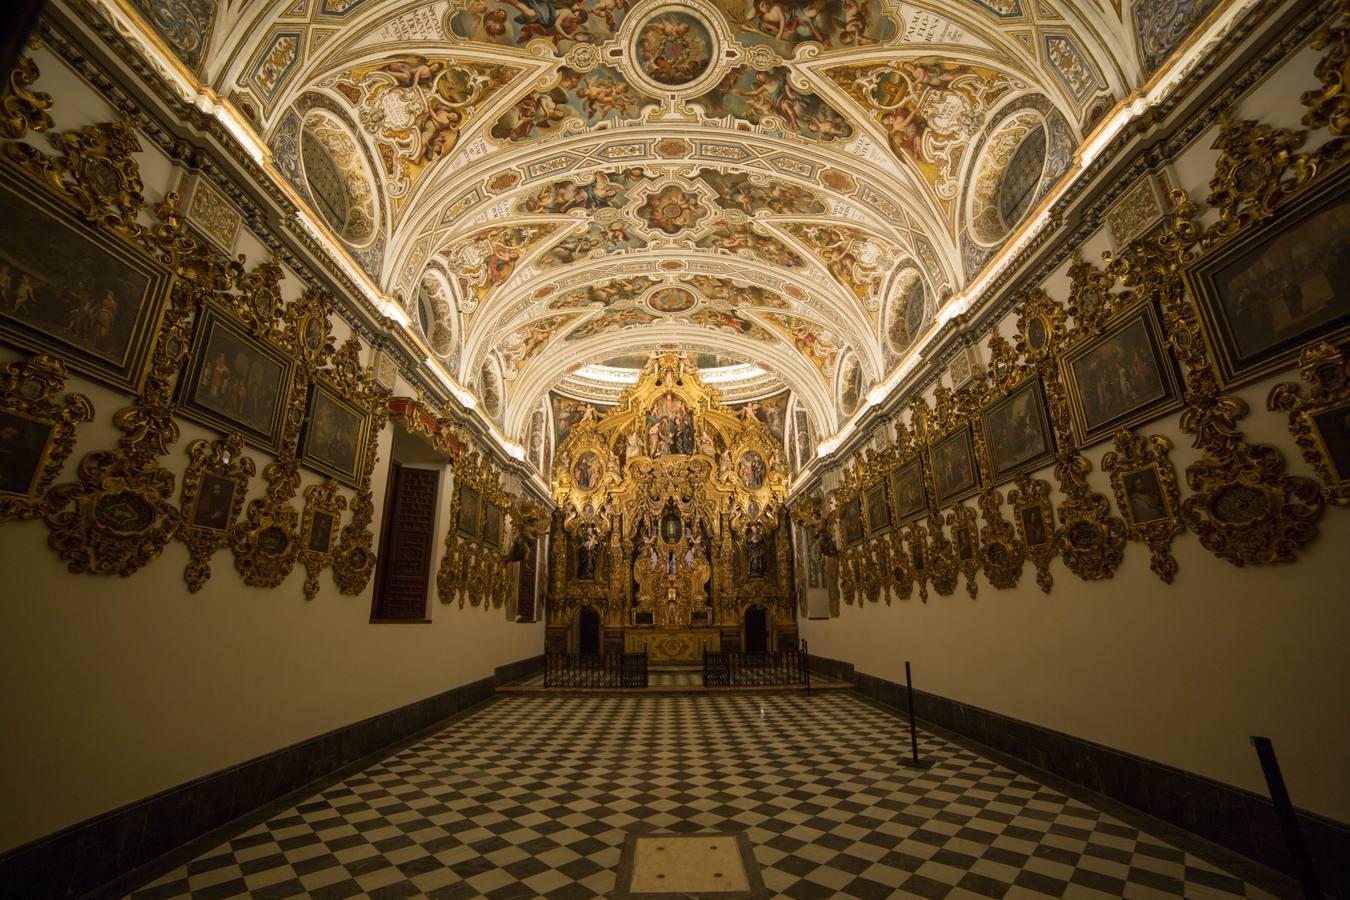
402, 589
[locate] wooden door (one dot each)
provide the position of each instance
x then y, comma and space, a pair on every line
405, 547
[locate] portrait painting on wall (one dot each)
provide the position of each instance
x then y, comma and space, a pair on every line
752, 470
815, 561
1017, 431
320, 532
470, 501
1263, 297
965, 543
69, 289
1332, 427
909, 491
492, 524
670, 427
878, 507
215, 501
587, 470
234, 381
23, 450
1121, 378
1034, 529
954, 472
334, 439
850, 515
1145, 500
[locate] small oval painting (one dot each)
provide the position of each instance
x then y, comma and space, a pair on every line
751, 470
587, 471
674, 48
671, 300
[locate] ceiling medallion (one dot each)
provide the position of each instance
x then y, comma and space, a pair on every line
671, 300
675, 49
672, 208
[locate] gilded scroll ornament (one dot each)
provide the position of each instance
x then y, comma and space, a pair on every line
1329, 106
1092, 541
23, 110
38, 431
1034, 517
1319, 415
917, 557
965, 545
318, 525
943, 567
96, 169
1002, 554
214, 489
1145, 484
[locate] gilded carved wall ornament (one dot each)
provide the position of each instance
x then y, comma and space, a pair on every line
965, 544
318, 526
32, 417
1319, 413
93, 167
472, 568
1034, 517
23, 110
215, 486
1002, 554
917, 556
1329, 106
1145, 484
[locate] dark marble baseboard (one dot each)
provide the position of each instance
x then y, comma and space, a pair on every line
1235, 819
80, 859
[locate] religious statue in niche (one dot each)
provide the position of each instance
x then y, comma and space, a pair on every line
756, 551
588, 554
670, 428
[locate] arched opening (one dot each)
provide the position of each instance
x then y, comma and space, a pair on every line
586, 630
755, 631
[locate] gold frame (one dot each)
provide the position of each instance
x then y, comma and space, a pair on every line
131, 373
1170, 400
319, 499
1199, 275
352, 477
222, 459
1325, 371
1036, 385
28, 390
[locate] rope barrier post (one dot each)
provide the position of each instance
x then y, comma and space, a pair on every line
1284, 812
915, 763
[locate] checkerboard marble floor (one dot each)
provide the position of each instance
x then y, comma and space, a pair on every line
534, 796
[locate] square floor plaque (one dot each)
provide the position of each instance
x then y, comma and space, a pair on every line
709, 864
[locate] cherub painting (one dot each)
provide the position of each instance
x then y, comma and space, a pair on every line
756, 96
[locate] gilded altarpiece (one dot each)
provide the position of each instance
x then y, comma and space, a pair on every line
670, 521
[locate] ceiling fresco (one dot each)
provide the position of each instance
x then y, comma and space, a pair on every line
795, 183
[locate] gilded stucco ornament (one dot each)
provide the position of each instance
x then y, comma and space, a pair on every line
23, 110
1329, 106
1244, 507
31, 402
1318, 411
318, 525
1145, 484
215, 486
965, 544
267, 543
1034, 516
1001, 553
354, 557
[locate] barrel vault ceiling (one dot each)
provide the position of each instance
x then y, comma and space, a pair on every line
797, 184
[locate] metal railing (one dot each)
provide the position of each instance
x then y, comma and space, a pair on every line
736, 669
595, 670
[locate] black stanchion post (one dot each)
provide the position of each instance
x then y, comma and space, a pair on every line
1284, 812
806, 667
915, 763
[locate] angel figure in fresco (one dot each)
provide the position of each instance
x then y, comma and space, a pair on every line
588, 415
748, 411
546, 18
412, 71
605, 96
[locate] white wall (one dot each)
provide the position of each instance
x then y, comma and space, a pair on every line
116, 688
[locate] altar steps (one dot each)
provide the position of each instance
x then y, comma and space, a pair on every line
665, 681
